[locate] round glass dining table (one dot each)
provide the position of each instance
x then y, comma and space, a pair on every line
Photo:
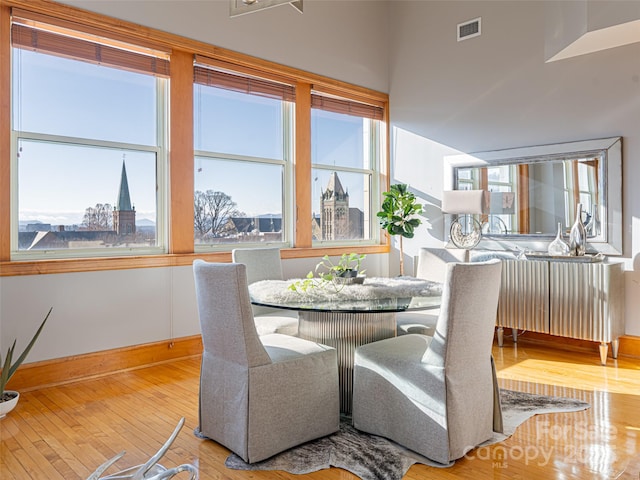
347, 323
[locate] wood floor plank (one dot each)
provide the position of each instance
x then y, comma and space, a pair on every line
66, 431
42, 426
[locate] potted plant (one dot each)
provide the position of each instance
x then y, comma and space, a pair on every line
347, 270
397, 216
347, 267
9, 398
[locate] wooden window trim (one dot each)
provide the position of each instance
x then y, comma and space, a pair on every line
5, 137
182, 50
302, 167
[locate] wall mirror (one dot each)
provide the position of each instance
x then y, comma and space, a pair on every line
535, 188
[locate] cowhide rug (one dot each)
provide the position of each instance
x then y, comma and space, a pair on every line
375, 458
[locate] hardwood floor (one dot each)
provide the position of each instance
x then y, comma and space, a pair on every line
65, 432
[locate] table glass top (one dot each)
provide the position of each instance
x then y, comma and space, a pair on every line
369, 305
376, 295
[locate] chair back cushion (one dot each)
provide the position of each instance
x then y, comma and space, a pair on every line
462, 347
262, 264
432, 262
467, 316
226, 320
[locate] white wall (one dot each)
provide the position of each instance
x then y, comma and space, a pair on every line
97, 311
495, 91
345, 40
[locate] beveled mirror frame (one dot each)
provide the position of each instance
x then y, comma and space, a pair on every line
609, 242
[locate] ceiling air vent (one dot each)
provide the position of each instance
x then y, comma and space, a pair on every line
469, 29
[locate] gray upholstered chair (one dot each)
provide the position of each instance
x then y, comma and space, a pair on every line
265, 264
259, 395
431, 265
436, 395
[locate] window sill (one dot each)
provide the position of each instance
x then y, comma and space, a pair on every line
46, 267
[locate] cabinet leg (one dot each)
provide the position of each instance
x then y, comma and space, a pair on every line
514, 332
614, 347
500, 336
604, 349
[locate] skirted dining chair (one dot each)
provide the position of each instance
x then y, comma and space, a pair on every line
432, 266
259, 395
265, 264
437, 395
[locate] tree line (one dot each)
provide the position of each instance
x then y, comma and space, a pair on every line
212, 211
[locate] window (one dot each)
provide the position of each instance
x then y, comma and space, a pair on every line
88, 137
242, 142
581, 187
467, 179
345, 151
501, 180
91, 176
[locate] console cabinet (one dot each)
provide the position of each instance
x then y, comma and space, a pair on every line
567, 299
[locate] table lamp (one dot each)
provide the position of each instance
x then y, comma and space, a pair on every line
465, 232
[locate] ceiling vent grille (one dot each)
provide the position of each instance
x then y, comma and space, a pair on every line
469, 29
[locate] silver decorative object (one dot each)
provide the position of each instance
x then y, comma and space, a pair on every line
150, 470
558, 246
465, 233
578, 235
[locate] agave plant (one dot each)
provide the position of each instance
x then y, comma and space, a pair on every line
397, 216
8, 368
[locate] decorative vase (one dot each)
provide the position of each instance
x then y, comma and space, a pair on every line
578, 235
558, 247
8, 405
593, 226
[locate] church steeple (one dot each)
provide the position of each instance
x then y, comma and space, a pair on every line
334, 210
124, 199
124, 215
334, 189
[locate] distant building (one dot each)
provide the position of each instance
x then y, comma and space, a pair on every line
356, 223
65, 239
334, 210
247, 225
338, 221
124, 215
38, 227
124, 228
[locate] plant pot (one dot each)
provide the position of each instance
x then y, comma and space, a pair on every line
353, 280
8, 405
347, 274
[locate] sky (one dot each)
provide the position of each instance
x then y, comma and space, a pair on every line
72, 99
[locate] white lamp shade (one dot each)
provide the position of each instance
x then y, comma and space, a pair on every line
465, 201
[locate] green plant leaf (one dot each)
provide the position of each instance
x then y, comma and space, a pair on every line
8, 369
398, 206
4, 375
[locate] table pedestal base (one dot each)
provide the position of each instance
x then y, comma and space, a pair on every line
345, 331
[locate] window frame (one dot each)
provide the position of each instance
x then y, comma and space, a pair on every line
179, 200
288, 129
160, 126
72, 253
374, 148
